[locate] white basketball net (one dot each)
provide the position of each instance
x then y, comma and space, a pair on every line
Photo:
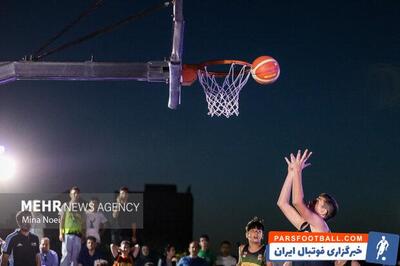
224, 99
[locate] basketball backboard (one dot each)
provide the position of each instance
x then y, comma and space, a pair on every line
169, 71
221, 88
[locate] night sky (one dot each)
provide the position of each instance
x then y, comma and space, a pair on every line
338, 95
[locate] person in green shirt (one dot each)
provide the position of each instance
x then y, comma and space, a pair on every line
205, 251
72, 229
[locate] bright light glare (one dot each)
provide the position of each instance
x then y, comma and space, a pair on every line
7, 167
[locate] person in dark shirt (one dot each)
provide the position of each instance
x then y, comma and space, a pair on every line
124, 227
252, 253
23, 245
168, 258
89, 254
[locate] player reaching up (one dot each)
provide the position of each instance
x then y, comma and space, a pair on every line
305, 217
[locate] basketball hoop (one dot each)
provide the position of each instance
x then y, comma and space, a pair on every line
222, 89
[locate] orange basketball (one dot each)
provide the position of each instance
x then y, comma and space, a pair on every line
265, 70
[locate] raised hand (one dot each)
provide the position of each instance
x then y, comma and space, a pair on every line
298, 162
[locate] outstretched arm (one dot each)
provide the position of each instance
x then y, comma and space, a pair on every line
298, 163
284, 202
114, 250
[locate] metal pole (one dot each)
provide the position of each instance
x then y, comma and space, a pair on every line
29, 70
175, 64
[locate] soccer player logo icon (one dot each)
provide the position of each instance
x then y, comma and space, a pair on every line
382, 246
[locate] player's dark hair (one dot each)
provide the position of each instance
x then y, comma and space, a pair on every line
205, 236
225, 242
255, 223
168, 248
91, 238
331, 204
194, 242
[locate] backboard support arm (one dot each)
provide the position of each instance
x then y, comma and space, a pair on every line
175, 64
156, 71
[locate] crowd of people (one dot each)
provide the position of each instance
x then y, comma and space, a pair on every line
23, 248
80, 234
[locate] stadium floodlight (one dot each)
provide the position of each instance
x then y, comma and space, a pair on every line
7, 165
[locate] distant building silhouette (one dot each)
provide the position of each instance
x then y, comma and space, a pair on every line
168, 216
